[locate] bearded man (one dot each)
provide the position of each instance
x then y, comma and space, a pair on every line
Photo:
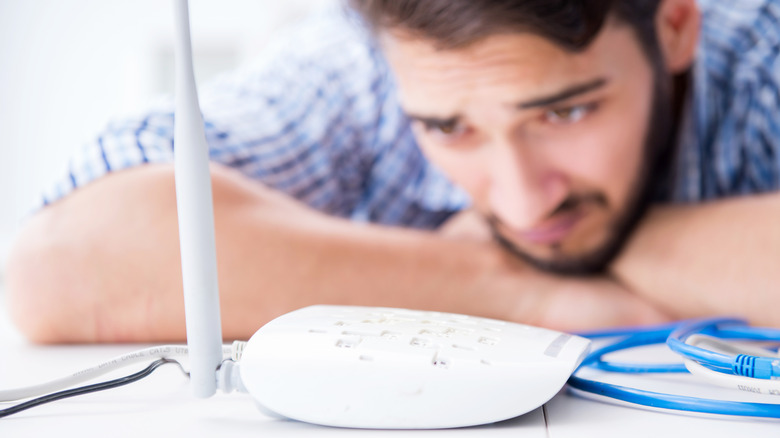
569, 164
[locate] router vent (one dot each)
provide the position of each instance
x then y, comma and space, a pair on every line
444, 341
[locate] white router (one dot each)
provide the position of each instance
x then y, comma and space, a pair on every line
347, 366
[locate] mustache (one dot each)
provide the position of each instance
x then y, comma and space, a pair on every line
570, 204
573, 202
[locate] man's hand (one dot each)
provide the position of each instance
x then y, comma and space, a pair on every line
719, 258
543, 299
468, 225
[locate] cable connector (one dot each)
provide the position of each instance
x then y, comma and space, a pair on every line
755, 367
237, 350
229, 377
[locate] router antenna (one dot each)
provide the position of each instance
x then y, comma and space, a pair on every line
196, 219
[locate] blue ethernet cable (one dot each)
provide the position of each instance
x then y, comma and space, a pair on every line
674, 336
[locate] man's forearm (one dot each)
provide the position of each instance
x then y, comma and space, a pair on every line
103, 264
719, 258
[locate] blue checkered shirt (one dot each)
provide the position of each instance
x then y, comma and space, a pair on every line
317, 117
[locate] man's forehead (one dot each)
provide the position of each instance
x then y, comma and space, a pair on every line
518, 49
505, 68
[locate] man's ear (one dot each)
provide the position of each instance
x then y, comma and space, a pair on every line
678, 23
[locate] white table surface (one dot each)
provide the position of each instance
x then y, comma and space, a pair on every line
161, 405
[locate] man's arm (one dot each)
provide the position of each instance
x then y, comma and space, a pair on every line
102, 265
720, 258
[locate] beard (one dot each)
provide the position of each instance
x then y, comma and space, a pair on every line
656, 148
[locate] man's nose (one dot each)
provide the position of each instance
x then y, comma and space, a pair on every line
524, 189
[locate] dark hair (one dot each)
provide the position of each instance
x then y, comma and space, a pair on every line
572, 24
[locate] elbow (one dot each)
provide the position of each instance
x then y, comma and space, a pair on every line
41, 300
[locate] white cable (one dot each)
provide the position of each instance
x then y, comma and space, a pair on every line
163, 351
740, 383
728, 347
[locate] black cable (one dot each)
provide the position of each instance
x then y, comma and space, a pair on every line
86, 389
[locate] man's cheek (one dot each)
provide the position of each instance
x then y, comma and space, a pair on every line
458, 167
611, 167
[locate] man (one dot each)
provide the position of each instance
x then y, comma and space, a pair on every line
614, 162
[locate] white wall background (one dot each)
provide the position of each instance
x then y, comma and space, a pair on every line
67, 67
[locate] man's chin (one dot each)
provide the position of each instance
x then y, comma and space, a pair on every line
590, 263
586, 251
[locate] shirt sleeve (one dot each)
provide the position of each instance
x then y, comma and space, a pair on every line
122, 144
315, 117
295, 119
731, 138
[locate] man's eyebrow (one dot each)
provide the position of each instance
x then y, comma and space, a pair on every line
433, 121
563, 95
535, 103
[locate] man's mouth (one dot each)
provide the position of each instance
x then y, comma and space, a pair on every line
559, 225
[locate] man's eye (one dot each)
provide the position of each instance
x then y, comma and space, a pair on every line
568, 115
448, 128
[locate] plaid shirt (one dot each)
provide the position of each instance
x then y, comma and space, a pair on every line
730, 138
317, 117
